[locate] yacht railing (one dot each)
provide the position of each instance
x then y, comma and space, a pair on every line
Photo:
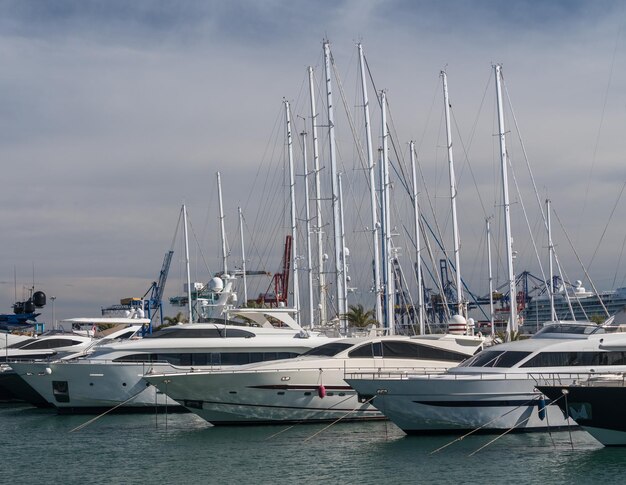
581, 379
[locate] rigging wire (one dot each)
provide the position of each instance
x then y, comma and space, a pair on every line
607, 224
602, 116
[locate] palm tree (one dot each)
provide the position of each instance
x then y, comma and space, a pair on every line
179, 318
357, 316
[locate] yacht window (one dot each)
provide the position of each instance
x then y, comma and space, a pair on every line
482, 359
405, 350
368, 350
18, 345
50, 343
413, 350
507, 359
207, 358
328, 350
613, 358
126, 335
177, 332
564, 359
3, 358
571, 329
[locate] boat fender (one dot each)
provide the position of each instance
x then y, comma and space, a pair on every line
541, 409
321, 391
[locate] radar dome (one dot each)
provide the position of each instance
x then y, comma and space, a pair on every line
39, 299
216, 284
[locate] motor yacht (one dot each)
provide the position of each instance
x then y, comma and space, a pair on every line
110, 377
73, 336
311, 387
494, 390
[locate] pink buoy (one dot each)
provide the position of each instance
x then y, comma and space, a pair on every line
321, 391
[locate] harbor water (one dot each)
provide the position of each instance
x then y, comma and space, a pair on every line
40, 447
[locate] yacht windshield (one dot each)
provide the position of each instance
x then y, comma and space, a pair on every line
328, 350
495, 358
557, 329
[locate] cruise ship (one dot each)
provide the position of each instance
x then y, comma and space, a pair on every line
585, 304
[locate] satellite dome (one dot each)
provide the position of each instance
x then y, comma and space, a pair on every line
216, 284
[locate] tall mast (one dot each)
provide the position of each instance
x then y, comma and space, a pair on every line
453, 194
294, 229
222, 229
493, 331
321, 276
512, 325
372, 182
550, 258
307, 216
418, 262
345, 252
243, 258
189, 289
387, 250
339, 249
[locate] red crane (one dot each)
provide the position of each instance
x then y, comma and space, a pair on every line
280, 281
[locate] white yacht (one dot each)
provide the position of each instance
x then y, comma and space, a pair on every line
110, 377
74, 336
308, 388
494, 390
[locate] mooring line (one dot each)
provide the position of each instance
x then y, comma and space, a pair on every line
78, 428
486, 424
335, 422
304, 420
508, 431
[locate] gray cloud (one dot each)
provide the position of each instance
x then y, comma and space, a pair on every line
114, 113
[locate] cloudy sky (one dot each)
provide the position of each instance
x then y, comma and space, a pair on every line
114, 113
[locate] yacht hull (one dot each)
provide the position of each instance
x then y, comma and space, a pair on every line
597, 409
87, 387
462, 403
286, 396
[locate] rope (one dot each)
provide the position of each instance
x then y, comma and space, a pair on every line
336, 421
78, 428
506, 432
304, 420
567, 413
483, 426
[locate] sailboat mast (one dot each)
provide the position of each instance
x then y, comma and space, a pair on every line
493, 331
243, 258
418, 262
222, 228
453, 194
321, 276
294, 229
550, 258
339, 249
512, 325
387, 251
307, 216
189, 289
372, 183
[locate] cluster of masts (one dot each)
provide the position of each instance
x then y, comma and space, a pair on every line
381, 234
384, 250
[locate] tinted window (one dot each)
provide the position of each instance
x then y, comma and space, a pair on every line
209, 358
391, 349
174, 332
328, 349
413, 350
482, 359
563, 359
368, 350
51, 343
